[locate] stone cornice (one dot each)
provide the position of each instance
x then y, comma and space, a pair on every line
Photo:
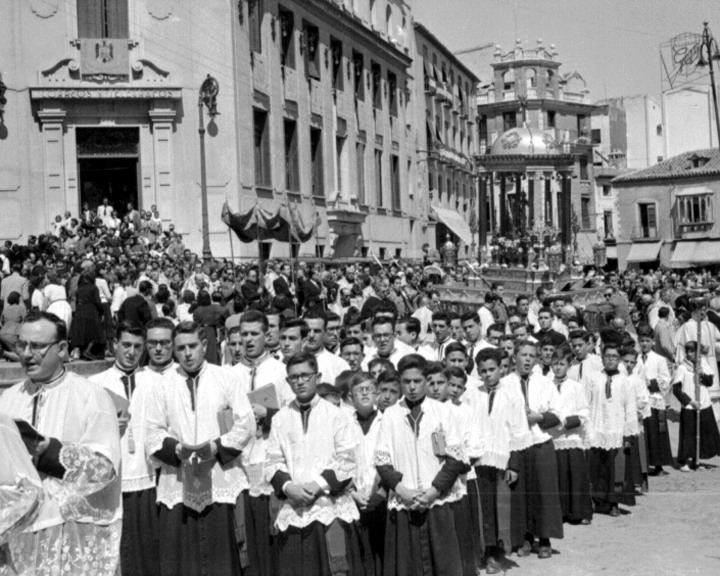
343, 21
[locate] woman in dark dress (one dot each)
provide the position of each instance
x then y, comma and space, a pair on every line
212, 318
87, 333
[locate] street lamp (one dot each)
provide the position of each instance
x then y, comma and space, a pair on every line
208, 97
713, 53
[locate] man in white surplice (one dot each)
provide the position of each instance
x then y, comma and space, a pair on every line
77, 457
198, 422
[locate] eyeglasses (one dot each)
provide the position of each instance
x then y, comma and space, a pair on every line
302, 377
36, 348
382, 337
363, 390
607, 295
162, 343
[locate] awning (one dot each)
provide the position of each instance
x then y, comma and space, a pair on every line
693, 191
428, 69
682, 256
455, 222
644, 252
695, 253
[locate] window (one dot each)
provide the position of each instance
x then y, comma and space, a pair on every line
596, 136
551, 119
341, 164
582, 126
608, 223
392, 94
287, 38
696, 209
316, 161
102, 18
336, 49
483, 131
312, 50
360, 160
395, 181
378, 179
585, 212
648, 220
388, 22
509, 120
292, 167
432, 178
262, 148
359, 75
607, 189
438, 133
376, 72
373, 14
658, 129
584, 168
256, 11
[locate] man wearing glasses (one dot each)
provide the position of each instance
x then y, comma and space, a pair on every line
71, 432
387, 346
311, 462
139, 542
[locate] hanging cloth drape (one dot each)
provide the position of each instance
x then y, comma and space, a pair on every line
259, 224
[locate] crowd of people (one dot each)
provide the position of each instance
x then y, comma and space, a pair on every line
321, 419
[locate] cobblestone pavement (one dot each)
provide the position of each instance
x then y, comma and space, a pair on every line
673, 530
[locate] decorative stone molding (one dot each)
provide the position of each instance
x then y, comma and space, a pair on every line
161, 9
104, 93
44, 8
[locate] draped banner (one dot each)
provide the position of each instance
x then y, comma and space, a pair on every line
285, 224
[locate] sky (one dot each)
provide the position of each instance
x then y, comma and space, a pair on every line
614, 44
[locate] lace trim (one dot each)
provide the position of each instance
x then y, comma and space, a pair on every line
564, 443
325, 510
457, 452
198, 501
656, 402
455, 494
85, 467
345, 464
521, 442
137, 484
272, 469
497, 460
606, 441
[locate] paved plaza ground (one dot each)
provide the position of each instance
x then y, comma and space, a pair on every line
673, 530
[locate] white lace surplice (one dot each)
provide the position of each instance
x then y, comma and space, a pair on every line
610, 419
329, 444
574, 402
412, 455
267, 371
170, 415
77, 530
367, 479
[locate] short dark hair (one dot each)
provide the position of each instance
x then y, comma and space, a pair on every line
13, 298
434, 368
490, 297
326, 390
468, 316
315, 314
494, 354
497, 327
387, 376
160, 323
129, 328
360, 377
628, 351
145, 287
456, 372
331, 316
342, 383
664, 312
563, 352
297, 323
189, 327
410, 362
352, 319
203, 298
412, 324
60, 326
352, 341
546, 310
455, 347
580, 334
442, 316
382, 319
255, 316
302, 358
645, 331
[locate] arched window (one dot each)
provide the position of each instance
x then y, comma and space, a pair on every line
509, 79
373, 14
389, 22
531, 78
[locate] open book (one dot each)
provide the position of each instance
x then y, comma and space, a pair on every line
28, 432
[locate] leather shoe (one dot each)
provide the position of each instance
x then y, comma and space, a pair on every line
614, 511
585, 522
526, 550
493, 566
545, 552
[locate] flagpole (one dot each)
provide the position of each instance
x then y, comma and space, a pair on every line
232, 255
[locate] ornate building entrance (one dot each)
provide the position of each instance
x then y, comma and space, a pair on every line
108, 166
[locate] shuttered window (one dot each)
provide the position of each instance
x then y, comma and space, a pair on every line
102, 18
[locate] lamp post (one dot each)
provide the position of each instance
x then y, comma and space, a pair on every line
713, 53
208, 97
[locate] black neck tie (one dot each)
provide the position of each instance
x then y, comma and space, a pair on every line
491, 399
545, 370
129, 385
524, 383
192, 381
305, 416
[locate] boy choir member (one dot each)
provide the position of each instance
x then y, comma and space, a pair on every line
369, 497
503, 431
612, 418
435, 351
657, 376
78, 524
633, 465
536, 510
292, 336
329, 364
694, 406
352, 351
389, 391
438, 388
159, 346
258, 368
419, 457
198, 423
586, 362
569, 439
139, 540
310, 463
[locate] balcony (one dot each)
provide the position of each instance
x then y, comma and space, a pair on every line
509, 95
687, 230
645, 233
693, 216
487, 98
442, 93
430, 85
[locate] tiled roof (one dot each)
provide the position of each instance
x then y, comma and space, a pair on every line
680, 166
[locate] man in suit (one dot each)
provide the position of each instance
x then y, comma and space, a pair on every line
136, 309
313, 291
284, 286
134, 216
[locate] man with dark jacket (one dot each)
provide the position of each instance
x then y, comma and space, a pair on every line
136, 309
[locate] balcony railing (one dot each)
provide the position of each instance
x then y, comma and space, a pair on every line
645, 233
693, 229
508, 95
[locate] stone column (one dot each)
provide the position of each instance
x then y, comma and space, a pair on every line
162, 115
52, 117
482, 212
503, 205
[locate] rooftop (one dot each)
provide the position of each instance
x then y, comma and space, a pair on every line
693, 164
